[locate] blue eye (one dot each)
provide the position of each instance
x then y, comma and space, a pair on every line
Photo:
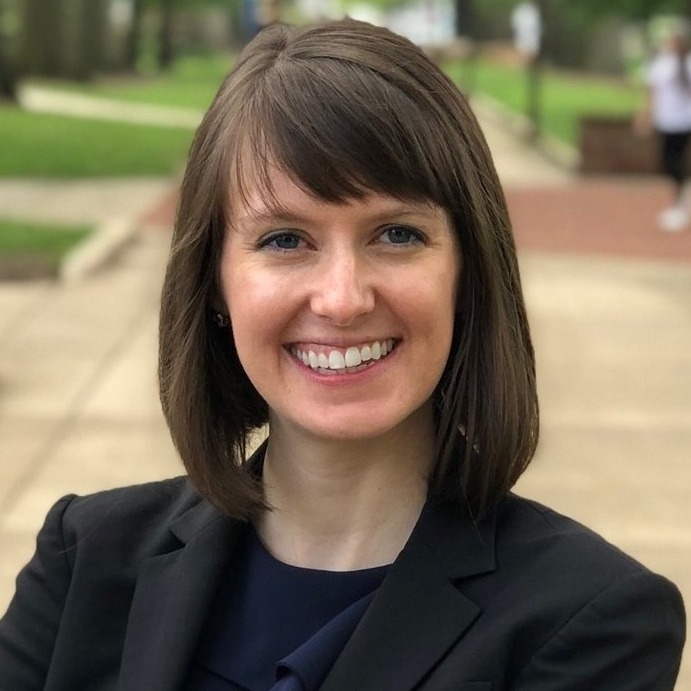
401, 235
282, 242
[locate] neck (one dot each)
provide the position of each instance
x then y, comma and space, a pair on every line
344, 505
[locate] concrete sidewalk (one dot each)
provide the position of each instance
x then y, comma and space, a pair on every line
79, 409
44, 100
88, 201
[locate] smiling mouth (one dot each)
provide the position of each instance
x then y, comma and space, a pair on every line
328, 360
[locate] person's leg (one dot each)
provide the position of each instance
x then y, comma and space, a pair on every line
674, 145
682, 171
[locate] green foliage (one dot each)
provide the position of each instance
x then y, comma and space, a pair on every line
564, 97
381, 4
587, 12
37, 145
192, 83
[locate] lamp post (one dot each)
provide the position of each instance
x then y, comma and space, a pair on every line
526, 21
464, 48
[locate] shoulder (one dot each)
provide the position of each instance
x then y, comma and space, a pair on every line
530, 531
163, 499
138, 516
565, 569
560, 567
576, 593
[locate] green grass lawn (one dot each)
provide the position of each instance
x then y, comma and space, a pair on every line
191, 83
36, 249
565, 96
40, 145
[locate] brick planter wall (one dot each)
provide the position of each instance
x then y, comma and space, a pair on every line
609, 145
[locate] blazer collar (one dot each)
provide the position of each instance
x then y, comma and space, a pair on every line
415, 617
418, 614
171, 600
174, 592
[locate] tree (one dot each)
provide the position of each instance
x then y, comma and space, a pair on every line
41, 37
8, 71
134, 35
88, 31
165, 35
168, 11
465, 18
8, 75
63, 38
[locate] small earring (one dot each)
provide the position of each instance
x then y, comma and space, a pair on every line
221, 320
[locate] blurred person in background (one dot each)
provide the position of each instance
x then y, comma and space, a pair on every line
667, 111
343, 272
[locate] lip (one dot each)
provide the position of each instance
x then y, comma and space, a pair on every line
339, 342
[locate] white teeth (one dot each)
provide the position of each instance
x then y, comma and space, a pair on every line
352, 357
338, 360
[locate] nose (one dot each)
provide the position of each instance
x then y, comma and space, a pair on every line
343, 289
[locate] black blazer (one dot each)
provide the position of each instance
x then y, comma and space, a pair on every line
527, 600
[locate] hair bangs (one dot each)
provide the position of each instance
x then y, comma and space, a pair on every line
330, 131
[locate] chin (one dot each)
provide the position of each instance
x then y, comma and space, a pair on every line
347, 432
353, 428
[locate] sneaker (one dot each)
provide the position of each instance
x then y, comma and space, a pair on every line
673, 220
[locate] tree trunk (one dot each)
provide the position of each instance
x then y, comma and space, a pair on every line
8, 75
236, 37
165, 39
534, 78
63, 38
75, 59
95, 35
134, 35
465, 18
41, 37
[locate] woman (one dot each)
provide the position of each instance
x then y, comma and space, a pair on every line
343, 271
667, 110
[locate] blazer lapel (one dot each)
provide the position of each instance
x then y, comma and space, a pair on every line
418, 614
173, 594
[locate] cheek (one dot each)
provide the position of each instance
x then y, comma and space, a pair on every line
439, 311
258, 308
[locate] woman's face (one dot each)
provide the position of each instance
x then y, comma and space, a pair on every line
342, 313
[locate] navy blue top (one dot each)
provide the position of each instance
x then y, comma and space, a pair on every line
276, 627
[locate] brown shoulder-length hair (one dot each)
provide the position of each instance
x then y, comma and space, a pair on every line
346, 108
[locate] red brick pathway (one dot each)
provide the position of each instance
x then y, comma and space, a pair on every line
610, 216
162, 214
592, 216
